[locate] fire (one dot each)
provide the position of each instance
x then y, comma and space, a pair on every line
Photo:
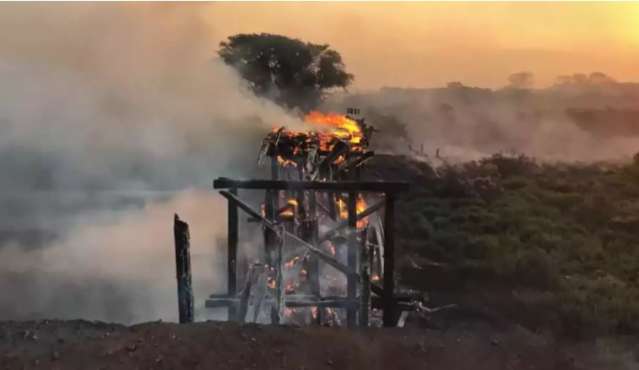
342, 209
360, 206
289, 211
343, 127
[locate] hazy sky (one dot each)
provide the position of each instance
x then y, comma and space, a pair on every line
417, 44
383, 44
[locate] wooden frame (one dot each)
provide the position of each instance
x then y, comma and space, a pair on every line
355, 306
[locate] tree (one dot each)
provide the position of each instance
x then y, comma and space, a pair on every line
291, 72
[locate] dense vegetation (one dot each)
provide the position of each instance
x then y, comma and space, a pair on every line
553, 246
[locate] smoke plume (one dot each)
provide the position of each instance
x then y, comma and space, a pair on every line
462, 122
111, 119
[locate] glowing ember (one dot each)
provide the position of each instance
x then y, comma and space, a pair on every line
360, 207
289, 264
285, 162
271, 283
289, 211
290, 288
331, 249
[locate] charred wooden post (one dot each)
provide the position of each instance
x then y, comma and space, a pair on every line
389, 317
313, 268
233, 234
351, 258
183, 270
364, 273
276, 309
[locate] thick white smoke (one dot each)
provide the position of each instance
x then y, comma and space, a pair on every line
109, 114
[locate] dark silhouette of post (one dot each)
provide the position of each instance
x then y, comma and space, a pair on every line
389, 263
183, 270
351, 259
233, 235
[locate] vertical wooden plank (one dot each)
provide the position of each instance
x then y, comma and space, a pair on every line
183, 270
351, 260
313, 270
233, 235
389, 262
364, 271
272, 243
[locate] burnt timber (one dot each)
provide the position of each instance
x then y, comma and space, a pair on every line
315, 178
352, 303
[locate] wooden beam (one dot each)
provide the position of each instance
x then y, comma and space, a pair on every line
365, 286
328, 186
269, 224
351, 258
183, 270
233, 236
336, 303
289, 301
389, 316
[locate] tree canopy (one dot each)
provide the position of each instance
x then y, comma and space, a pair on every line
291, 72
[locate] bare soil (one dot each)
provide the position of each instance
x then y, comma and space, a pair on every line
225, 346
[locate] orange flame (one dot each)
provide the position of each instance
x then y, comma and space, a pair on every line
289, 211
360, 206
343, 127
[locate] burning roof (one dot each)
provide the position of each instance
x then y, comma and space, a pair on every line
338, 142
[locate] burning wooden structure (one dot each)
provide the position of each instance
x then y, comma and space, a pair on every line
328, 250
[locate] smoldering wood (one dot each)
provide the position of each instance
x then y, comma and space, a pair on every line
345, 223
279, 292
183, 270
269, 224
319, 171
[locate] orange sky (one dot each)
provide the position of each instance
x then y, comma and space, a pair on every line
430, 44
